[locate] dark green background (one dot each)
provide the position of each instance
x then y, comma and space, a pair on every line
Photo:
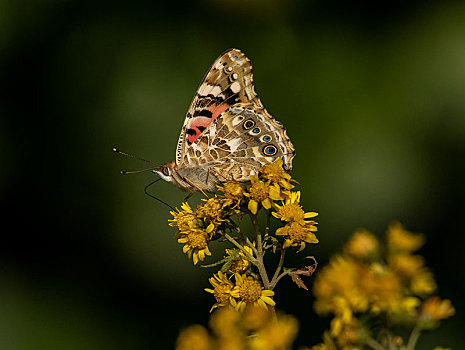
372, 95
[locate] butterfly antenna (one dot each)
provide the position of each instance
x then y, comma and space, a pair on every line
124, 172
133, 156
158, 199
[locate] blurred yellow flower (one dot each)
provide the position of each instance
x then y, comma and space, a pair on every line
422, 283
337, 288
406, 265
437, 309
250, 292
402, 240
278, 334
224, 290
195, 244
194, 337
362, 244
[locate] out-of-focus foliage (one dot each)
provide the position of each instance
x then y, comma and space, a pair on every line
371, 96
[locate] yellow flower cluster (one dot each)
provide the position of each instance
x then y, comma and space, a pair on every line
254, 329
391, 285
297, 230
245, 292
242, 281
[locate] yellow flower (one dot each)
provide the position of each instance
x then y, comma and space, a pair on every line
260, 192
292, 211
275, 173
250, 292
337, 288
241, 263
362, 244
255, 317
211, 213
297, 234
224, 290
194, 337
382, 288
233, 193
422, 282
195, 244
406, 265
437, 309
184, 219
278, 334
441, 348
402, 240
349, 334
224, 321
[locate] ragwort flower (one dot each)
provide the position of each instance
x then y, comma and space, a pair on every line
261, 192
195, 244
291, 210
250, 292
233, 192
241, 263
211, 213
275, 173
296, 235
223, 290
184, 219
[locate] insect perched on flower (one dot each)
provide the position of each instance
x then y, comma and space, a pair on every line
227, 133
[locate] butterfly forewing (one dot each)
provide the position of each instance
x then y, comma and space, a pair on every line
228, 81
227, 133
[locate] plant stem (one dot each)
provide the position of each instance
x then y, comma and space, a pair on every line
259, 259
372, 343
412, 340
274, 280
247, 254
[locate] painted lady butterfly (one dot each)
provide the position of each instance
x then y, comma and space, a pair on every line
227, 133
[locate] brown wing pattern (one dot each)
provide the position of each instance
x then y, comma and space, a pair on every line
239, 143
228, 81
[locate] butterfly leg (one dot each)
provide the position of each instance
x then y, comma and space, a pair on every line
193, 184
188, 196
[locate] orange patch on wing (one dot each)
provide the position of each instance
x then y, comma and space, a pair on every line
217, 110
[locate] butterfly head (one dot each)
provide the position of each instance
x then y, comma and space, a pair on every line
166, 171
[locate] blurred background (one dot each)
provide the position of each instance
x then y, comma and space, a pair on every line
372, 95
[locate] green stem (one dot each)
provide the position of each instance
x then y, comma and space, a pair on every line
412, 341
372, 343
274, 280
246, 253
260, 264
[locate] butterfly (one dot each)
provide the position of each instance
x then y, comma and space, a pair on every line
227, 133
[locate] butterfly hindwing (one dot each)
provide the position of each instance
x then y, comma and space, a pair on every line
239, 142
229, 81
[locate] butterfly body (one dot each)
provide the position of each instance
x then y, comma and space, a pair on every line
227, 133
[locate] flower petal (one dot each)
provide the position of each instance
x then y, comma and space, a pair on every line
253, 205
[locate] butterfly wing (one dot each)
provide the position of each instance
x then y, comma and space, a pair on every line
238, 143
228, 82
